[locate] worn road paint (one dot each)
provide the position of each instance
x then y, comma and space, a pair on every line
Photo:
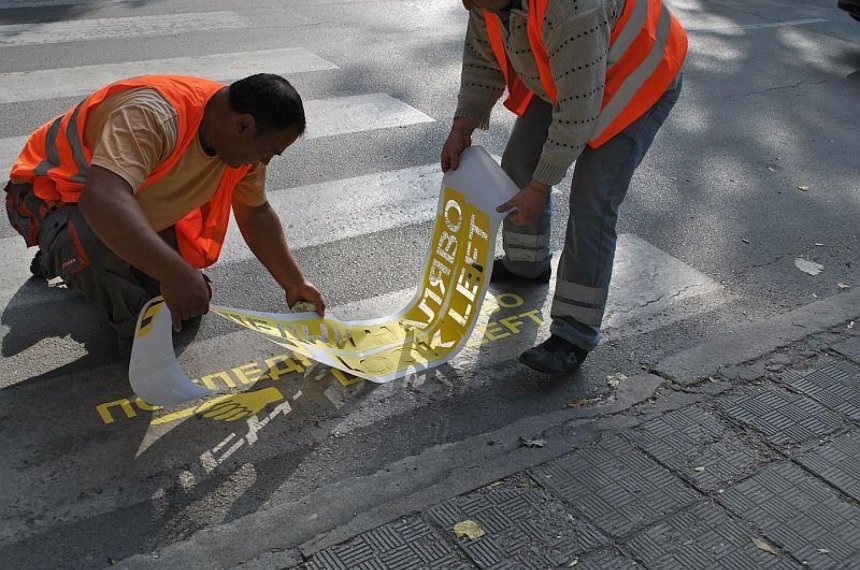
43, 84
124, 27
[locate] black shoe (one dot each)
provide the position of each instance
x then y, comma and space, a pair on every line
36, 267
208, 284
503, 274
554, 356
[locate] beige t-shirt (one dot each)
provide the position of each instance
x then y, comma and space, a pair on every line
134, 131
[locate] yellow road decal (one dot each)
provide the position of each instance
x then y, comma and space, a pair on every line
144, 326
289, 367
426, 333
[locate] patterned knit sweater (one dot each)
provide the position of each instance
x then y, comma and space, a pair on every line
576, 34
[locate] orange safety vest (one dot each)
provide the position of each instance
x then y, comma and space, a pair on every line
55, 160
646, 51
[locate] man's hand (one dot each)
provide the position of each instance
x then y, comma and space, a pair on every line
459, 139
187, 295
529, 203
304, 290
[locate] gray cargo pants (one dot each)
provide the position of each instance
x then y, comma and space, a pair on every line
600, 181
72, 251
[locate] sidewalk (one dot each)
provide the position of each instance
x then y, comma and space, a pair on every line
705, 464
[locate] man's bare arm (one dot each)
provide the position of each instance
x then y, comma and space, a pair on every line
263, 232
108, 205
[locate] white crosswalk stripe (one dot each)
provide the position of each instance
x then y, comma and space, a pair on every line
344, 115
325, 117
730, 27
378, 202
76, 81
10, 147
105, 28
51, 3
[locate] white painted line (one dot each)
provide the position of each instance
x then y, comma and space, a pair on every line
14, 276
76, 81
325, 117
10, 148
125, 27
46, 3
360, 113
376, 202
730, 27
647, 282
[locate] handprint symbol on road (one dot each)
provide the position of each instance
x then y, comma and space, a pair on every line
239, 406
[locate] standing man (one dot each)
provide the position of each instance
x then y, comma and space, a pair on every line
129, 193
592, 82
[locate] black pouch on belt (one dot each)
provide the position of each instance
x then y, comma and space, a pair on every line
25, 210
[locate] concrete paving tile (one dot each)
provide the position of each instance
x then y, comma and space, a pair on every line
615, 485
406, 544
606, 560
704, 536
799, 513
784, 418
526, 526
849, 349
836, 384
699, 447
852, 564
837, 462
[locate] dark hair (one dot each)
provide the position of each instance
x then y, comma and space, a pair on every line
270, 99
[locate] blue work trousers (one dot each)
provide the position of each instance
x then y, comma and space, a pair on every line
601, 177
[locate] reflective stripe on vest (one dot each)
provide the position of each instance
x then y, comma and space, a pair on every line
646, 50
56, 160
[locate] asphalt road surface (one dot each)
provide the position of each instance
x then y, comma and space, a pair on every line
756, 167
